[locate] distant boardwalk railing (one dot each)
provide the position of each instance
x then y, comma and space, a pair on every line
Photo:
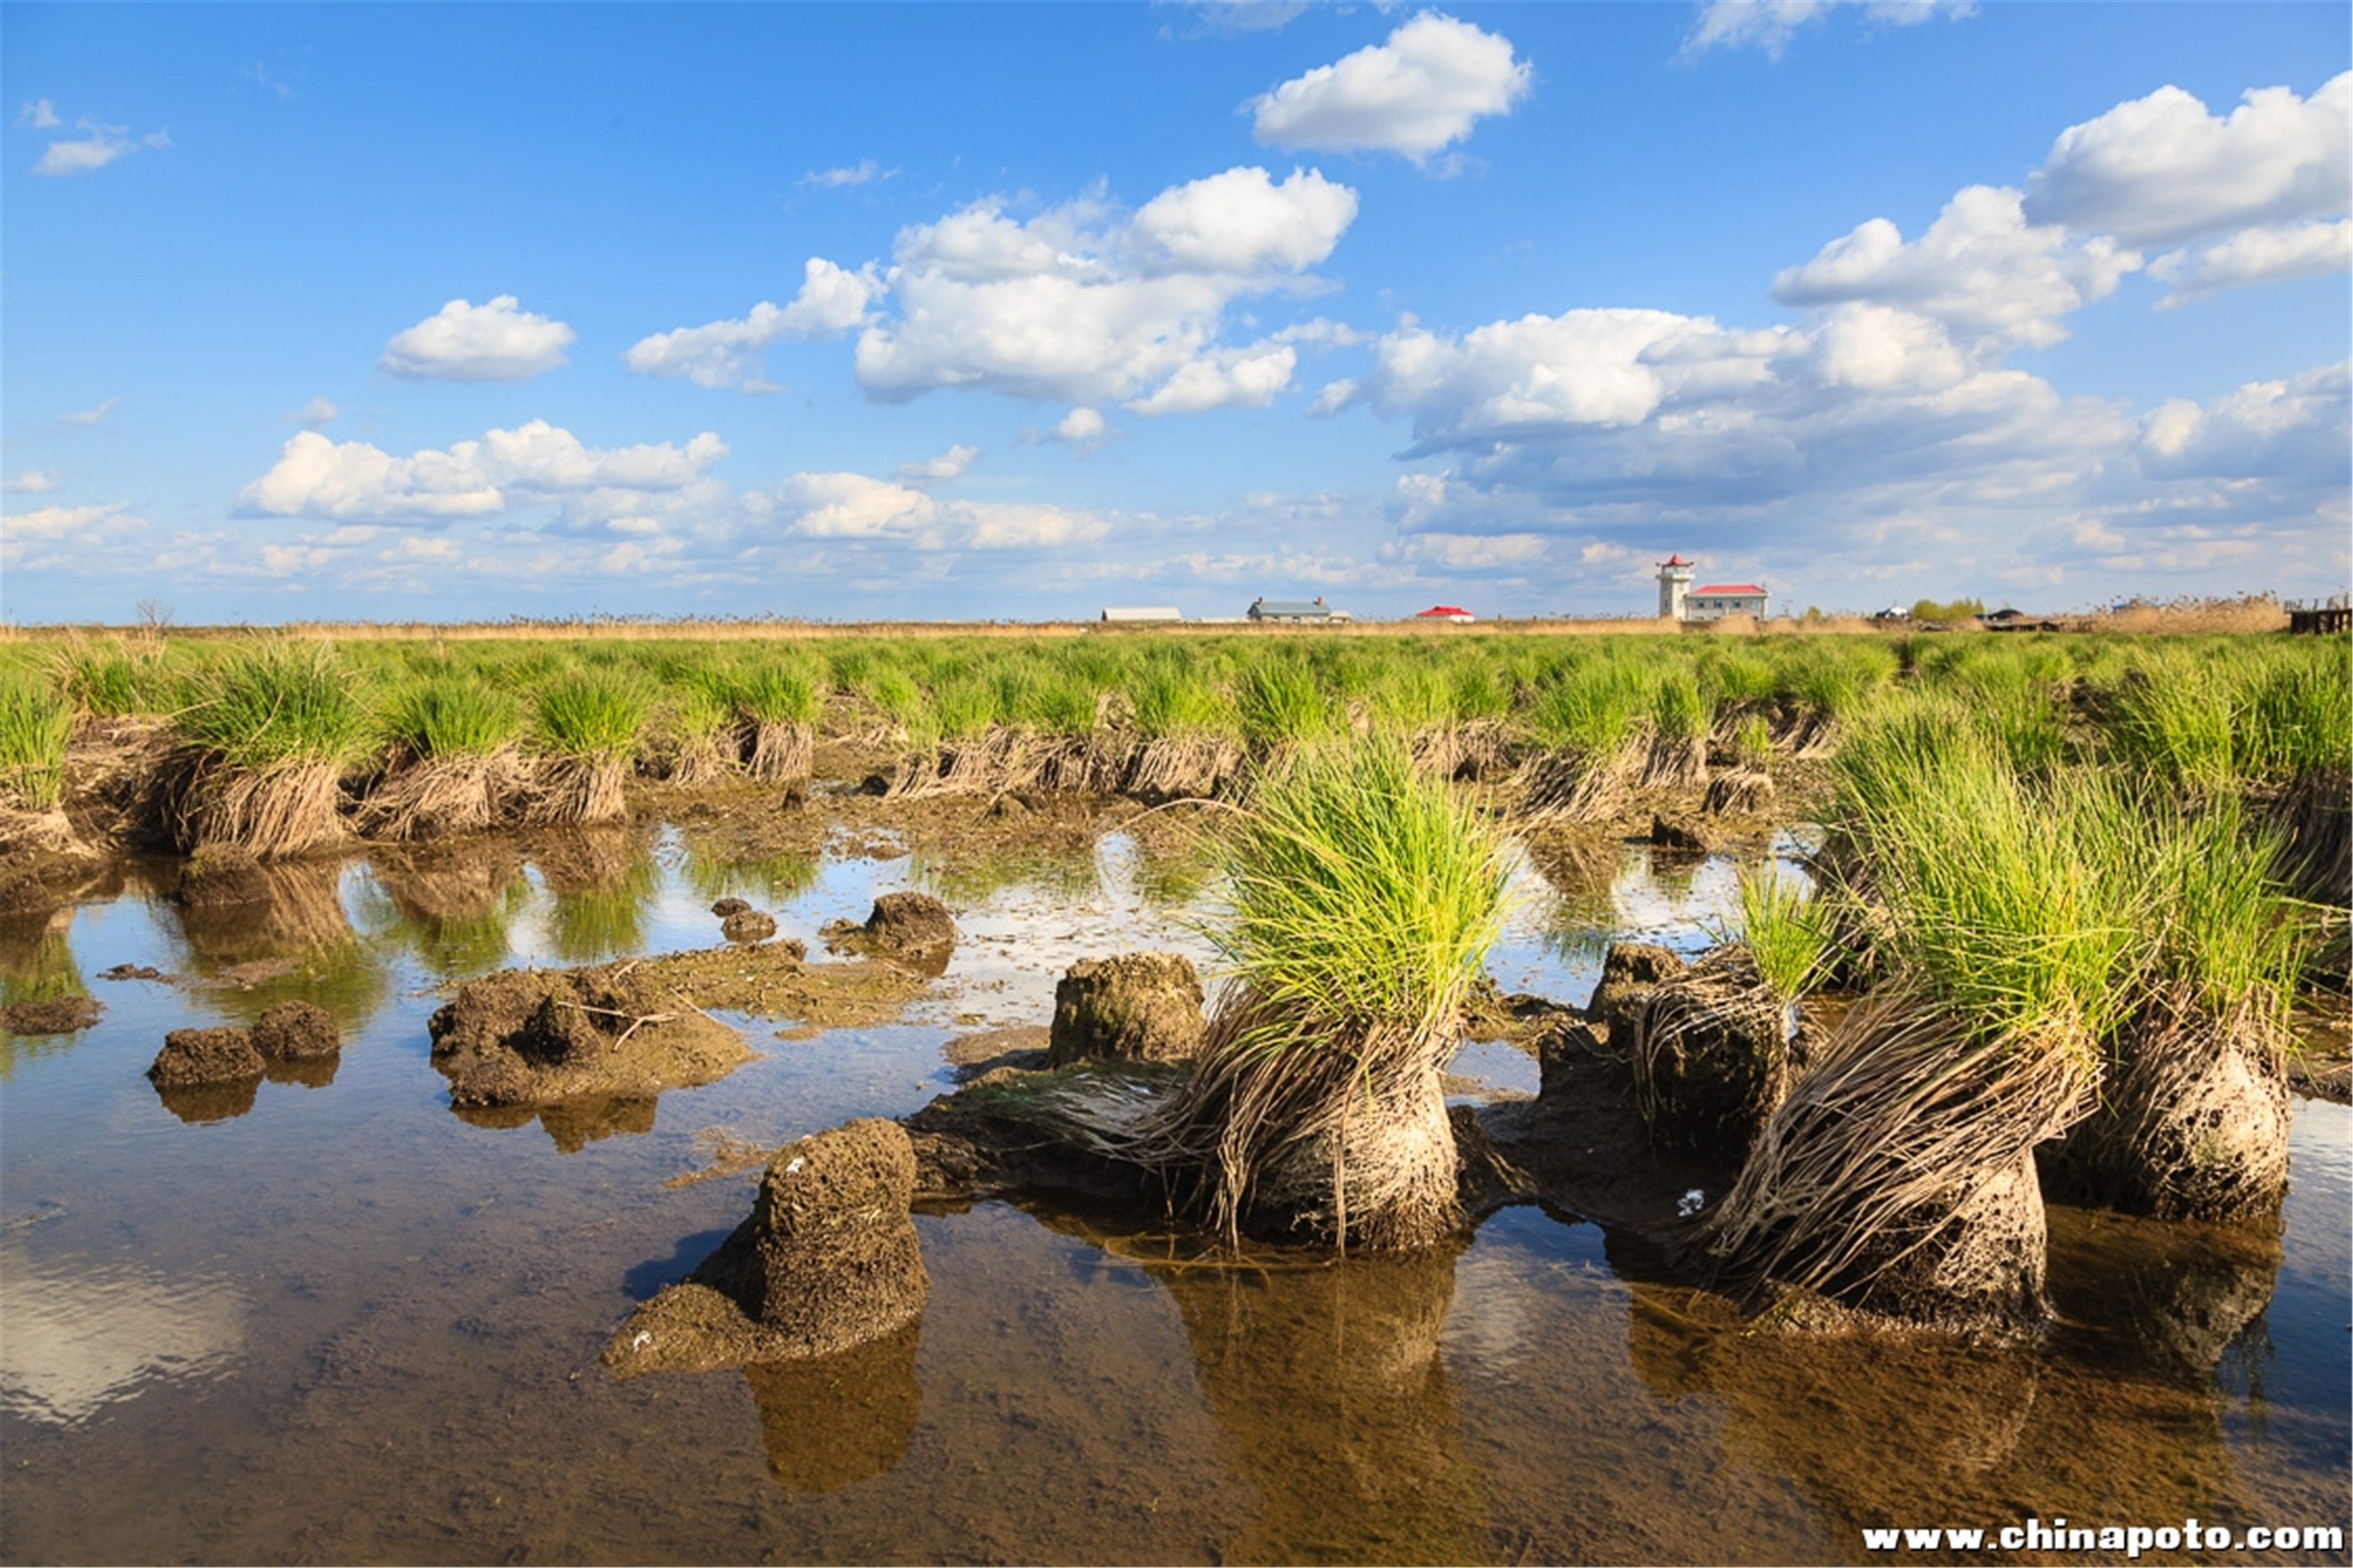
2333, 615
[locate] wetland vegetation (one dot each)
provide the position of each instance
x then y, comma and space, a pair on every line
2063, 911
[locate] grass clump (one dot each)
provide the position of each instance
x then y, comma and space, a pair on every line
452, 718
587, 728
1789, 938
456, 770
1362, 899
594, 713
275, 705
271, 728
35, 724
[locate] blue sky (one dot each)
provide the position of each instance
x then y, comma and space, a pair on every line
1007, 311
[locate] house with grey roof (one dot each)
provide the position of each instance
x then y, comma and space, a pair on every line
1296, 612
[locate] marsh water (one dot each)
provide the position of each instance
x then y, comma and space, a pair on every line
334, 1320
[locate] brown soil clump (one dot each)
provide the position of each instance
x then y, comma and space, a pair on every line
294, 1030
826, 1260
2194, 1127
771, 981
910, 923
727, 908
748, 926
1631, 971
535, 1037
1138, 1007
1682, 837
55, 1016
192, 1056
1709, 1049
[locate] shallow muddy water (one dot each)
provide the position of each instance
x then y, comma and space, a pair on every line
334, 1320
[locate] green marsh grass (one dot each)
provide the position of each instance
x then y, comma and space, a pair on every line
1360, 900
35, 725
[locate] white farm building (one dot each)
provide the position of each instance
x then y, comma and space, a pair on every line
1680, 601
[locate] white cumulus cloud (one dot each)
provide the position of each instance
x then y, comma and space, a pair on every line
1415, 94
2161, 169
536, 463
1242, 224
1084, 305
853, 507
728, 354
463, 342
31, 482
1769, 25
1980, 267
1082, 428
1225, 378
99, 144
2262, 255
72, 530
949, 465
2297, 425
865, 171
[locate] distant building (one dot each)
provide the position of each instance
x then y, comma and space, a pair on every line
1294, 612
1143, 613
1447, 613
1679, 601
1674, 582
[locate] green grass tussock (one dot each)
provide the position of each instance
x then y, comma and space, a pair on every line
35, 725
278, 704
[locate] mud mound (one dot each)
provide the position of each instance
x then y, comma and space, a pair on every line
1682, 837
291, 1031
911, 923
2194, 1127
1138, 1007
1630, 972
748, 926
1711, 1054
827, 1261
192, 1056
57, 1015
536, 1037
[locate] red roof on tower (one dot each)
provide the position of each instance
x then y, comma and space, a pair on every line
1677, 561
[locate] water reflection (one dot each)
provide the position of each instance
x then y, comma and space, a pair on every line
1330, 1396
81, 1337
2166, 1299
604, 883
2117, 1416
573, 1124
451, 905
293, 940
837, 1419
715, 870
36, 964
1069, 875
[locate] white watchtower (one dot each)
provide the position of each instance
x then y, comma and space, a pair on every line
1674, 584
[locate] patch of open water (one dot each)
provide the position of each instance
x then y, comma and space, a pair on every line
338, 1322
